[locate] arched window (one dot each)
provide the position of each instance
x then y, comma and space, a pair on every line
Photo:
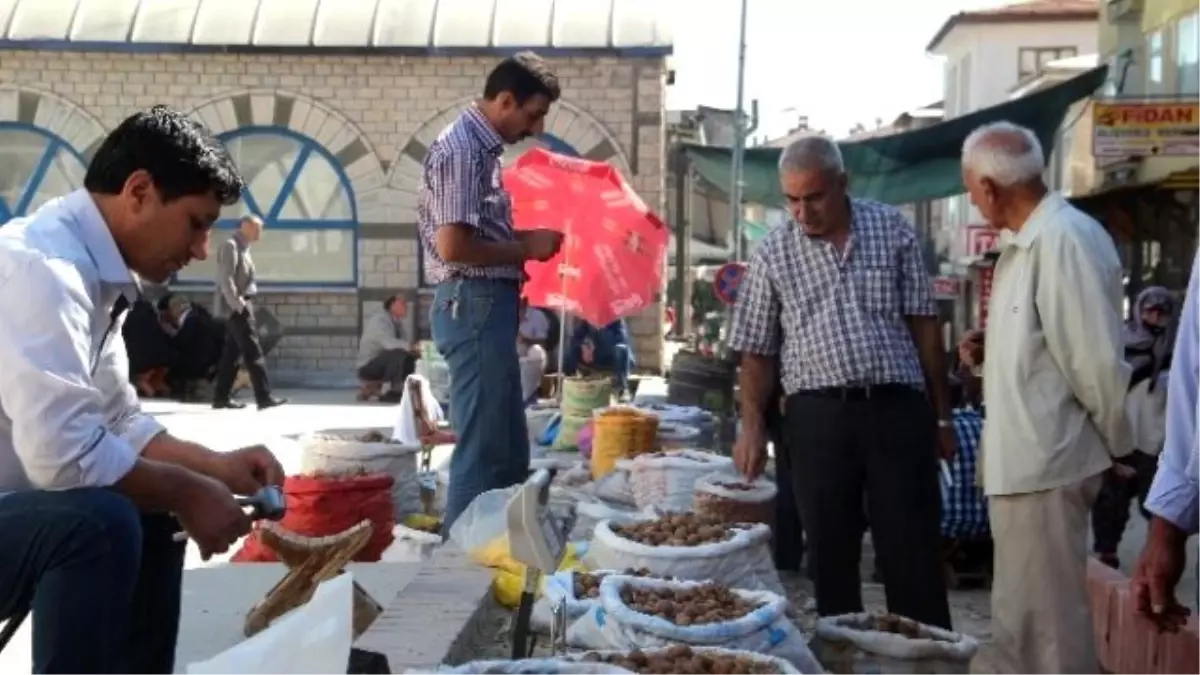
302, 194
35, 166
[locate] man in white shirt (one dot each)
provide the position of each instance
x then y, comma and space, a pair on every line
92, 490
1174, 498
1054, 383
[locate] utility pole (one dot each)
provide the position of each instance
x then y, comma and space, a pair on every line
739, 143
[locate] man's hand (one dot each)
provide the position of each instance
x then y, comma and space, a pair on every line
540, 245
1124, 471
970, 348
248, 470
750, 452
1156, 575
947, 443
210, 515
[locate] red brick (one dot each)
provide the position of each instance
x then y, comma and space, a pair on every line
1128, 643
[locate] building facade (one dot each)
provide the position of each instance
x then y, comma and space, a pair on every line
328, 106
988, 53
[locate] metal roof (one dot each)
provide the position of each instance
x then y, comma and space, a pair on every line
405, 25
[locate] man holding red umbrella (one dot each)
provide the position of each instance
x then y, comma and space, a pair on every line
476, 260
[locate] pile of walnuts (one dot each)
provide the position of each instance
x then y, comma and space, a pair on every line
680, 529
680, 659
736, 507
890, 623
587, 585
704, 604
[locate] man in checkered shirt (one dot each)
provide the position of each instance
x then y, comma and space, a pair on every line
475, 260
842, 297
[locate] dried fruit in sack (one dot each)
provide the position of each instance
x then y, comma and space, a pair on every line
890, 623
587, 584
680, 529
704, 604
682, 659
730, 499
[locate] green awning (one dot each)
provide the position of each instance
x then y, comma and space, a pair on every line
910, 167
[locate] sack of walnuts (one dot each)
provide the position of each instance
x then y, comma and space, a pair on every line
688, 546
684, 659
537, 667
886, 643
577, 590
646, 613
666, 480
733, 499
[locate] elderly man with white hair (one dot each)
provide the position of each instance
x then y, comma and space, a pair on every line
1054, 382
842, 300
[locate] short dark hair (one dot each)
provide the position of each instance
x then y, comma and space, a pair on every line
523, 75
181, 155
387, 304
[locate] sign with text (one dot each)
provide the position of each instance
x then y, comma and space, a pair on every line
1145, 129
946, 288
985, 295
981, 239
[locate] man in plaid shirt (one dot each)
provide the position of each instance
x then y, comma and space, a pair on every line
842, 297
475, 259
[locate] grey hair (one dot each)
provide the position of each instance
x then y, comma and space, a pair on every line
1007, 153
810, 153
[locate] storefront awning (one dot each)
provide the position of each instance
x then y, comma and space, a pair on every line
910, 167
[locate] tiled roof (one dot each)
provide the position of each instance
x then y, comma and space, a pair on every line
1033, 11
325, 24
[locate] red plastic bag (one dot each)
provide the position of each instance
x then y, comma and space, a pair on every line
320, 506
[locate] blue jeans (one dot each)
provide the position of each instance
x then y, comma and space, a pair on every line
103, 579
474, 325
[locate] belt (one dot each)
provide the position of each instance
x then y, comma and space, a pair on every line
862, 392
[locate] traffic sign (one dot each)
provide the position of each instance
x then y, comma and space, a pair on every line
727, 280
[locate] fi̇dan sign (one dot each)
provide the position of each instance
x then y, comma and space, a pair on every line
1145, 129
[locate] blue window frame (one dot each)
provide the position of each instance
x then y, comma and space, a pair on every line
548, 141
35, 166
302, 193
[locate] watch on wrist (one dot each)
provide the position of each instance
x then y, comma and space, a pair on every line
945, 424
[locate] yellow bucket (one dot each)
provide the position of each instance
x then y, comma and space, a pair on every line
614, 437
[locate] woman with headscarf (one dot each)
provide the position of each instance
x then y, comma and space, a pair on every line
1149, 340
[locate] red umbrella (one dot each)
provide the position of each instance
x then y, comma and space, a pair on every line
611, 262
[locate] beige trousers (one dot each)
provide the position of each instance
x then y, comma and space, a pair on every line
1041, 619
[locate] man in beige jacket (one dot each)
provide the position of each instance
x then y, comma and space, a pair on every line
1054, 383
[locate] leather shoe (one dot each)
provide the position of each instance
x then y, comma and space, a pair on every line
228, 405
271, 402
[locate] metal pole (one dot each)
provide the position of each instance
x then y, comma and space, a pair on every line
739, 142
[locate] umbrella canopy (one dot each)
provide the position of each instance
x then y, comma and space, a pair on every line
611, 262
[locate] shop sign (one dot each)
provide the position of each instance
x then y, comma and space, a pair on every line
946, 288
981, 239
1145, 128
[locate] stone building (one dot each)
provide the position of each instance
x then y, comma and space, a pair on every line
328, 106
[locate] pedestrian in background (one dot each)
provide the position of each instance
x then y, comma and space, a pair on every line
1149, 340
1054, 384
236, 288
475, 260
842, 298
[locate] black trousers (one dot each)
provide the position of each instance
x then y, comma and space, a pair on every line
882, 445
1110, 513
241, 343
392, 366
787, 541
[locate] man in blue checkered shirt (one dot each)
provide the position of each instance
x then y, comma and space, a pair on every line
475, 259
842, 297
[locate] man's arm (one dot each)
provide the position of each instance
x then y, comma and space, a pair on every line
919, 310
455, 180
60, 430
755, 334
226, 267
380, 330
1079, 298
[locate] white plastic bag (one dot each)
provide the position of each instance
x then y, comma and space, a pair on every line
667, 480
535, 667
777, 664
409, 545
614, 487
848, 644
405, 430
313, 638
743, 561
614, 625
344, 451
589, 513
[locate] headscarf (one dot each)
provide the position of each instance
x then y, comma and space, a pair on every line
1148, 348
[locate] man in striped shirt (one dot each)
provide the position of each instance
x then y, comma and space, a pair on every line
475, 259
